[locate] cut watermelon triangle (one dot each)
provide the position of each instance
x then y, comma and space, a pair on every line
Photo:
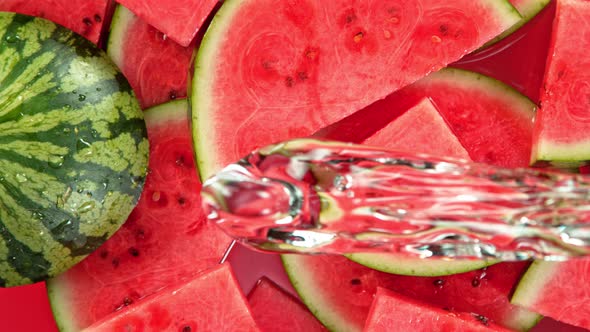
165, 240
421, 129
558, 290
210, 302
141, 52
274, 310
270, 70
340, 292
390, 309
179, 20
563, 120
85, 17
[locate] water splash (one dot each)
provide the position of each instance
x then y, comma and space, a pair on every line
312, 196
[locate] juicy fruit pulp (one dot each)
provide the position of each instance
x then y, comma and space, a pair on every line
210, 302
420, 129
294, 76
406, 314
165, 240
340, 292
85, 17
142, 52
178, 19
73, 149
563, 119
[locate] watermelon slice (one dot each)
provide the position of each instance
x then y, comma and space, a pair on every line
141, 52
563, 120
340, 292
210, 302
276, 311
85, 17
165, 240
179, 20
557, 290
468, 102
392, 309
306, 64
420, 129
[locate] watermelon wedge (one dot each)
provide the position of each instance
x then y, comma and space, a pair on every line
276, 311
165, 240
420, 129
306, 64
563, 120
179, 20
85, 17
340, 292
468, 102
392, 309
558, 290
141, 52
210, 302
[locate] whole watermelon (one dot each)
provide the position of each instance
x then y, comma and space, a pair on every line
73, 149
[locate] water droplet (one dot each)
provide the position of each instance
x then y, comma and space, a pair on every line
11, 39
21, 178
81, 97
56, 161
387, 34
83, 145
439, 283
86, 207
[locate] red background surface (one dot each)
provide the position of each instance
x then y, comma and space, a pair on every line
518, 60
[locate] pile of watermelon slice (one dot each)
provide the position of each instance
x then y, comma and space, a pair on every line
492, 81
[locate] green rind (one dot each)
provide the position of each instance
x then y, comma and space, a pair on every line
175, 110
527, 11
202, 84
397, 264
73, 149
120, 23
532, 282
316, 304
199, 87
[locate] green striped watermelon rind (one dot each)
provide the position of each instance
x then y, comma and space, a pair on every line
73, 149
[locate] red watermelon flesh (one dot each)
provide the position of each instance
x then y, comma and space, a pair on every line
269, 70
563, 120
165, 240
340, 292
85, 17
491, 120
179, 20
391, 310
558, 290
210, 302
276, 311
157, 67
420, 129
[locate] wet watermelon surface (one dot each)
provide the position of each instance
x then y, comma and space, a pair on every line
518, 60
